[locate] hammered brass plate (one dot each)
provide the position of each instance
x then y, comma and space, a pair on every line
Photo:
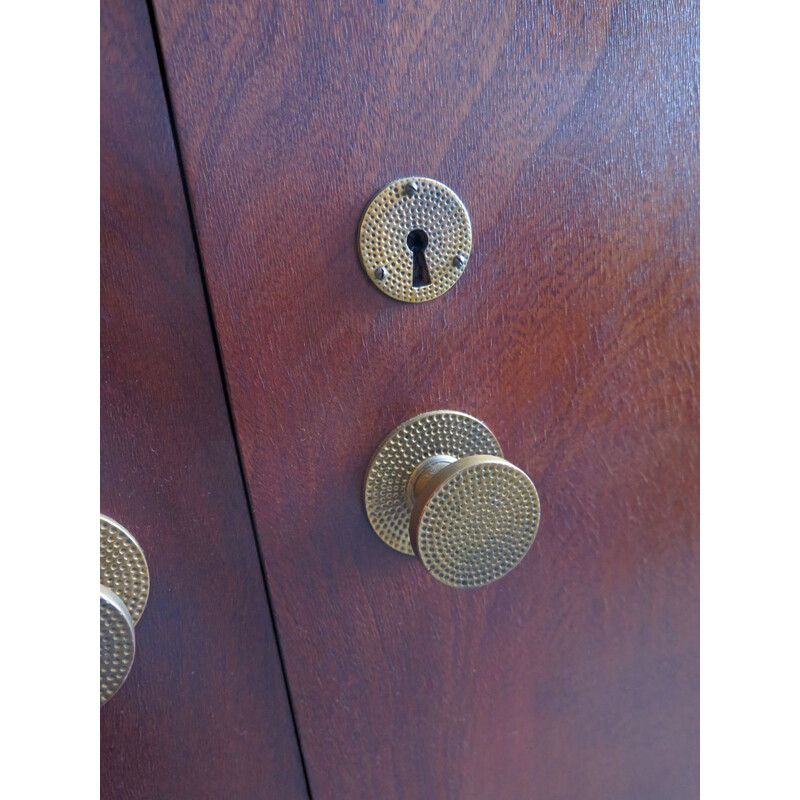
123, 567
475, 521
117, 643
433, 433
406, 205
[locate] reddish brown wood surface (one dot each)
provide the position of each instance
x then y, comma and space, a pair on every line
204, 712
570, 130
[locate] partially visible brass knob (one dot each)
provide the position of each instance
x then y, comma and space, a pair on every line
439, 487
117, 643
124, 588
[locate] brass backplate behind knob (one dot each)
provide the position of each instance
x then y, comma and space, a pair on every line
434, 433
123, 567
439, 487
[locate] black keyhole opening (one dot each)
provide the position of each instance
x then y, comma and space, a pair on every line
417, 241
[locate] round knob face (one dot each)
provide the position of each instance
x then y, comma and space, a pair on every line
117, 643
475, 520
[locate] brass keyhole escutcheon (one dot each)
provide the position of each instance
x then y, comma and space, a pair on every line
439, 488
415, 239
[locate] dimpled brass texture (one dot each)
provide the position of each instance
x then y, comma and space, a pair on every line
433, 433
474, 521
406, 205
123, 567
117, 643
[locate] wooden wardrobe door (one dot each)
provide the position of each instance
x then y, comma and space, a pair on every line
570, 131
204, 712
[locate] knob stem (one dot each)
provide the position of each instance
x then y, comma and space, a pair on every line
422, 475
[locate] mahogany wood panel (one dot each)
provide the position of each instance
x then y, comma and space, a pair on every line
570, 130
204, 712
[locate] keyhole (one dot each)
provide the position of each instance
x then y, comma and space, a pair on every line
417, 241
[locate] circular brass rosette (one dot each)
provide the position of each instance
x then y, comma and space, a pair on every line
408, 220
117, 643
425, 436
123, 567
475, 521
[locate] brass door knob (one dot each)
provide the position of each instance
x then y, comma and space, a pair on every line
124, 588
438, 487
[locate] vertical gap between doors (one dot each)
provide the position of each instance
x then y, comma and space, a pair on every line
225, 387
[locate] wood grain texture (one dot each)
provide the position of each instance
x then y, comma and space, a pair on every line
204, 712
570, 130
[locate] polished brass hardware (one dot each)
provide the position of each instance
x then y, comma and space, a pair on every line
438, 487
415, 239
117, 643
124, 588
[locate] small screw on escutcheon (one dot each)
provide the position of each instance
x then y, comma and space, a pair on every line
459, 261
411, 188
380, 273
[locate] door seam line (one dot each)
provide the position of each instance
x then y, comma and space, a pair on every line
224, 381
